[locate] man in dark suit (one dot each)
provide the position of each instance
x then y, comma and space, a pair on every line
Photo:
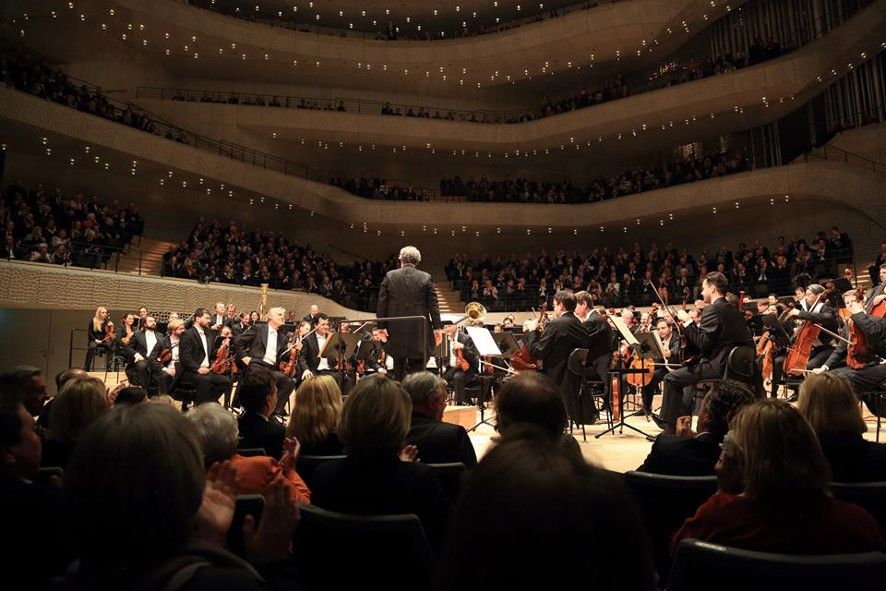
696, 454
196, 345
140, 370
312, 314
242, 323
720, 328
437, 442
815, 308
408, 292
601, 339
258, 396
219, 318
671, 342
310, 363
561, 336
262, 348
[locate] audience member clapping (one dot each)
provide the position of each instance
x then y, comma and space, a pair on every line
828, 403
78, 405
437, 441
316, 417
773, 494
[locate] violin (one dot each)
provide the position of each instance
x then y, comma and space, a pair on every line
109, 331
165, 355
288, 367
522, 359
129, 332
224, 359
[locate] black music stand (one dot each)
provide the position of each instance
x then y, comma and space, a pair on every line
619, 373
486, 346
339, 346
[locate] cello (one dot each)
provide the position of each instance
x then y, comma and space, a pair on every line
858, 350
803, 341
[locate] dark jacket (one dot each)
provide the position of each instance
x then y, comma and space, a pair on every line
254, 343
257, 431
853, 459
561, 336
720, 328
600, 338
408, 292
191, 353
677, 456
825, 317
439, 442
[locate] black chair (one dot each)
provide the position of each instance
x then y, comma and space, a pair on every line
245, 505
306, 464
704, 566
875, 400
249, 452
871, 496
387, 552
589, 398
665, 502
450, 474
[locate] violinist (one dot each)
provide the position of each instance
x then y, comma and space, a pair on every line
600, 339
125, 332
142, 317
310, 363
813, 308
196, 361
671, 341
371, 350
223, 360
262, 348
143, 344
242, 323
555, 343
872, 370
165, 357
97, 336
720, 328
462, 363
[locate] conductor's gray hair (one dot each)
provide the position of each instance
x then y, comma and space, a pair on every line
410, 255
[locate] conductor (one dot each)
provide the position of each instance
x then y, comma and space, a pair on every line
408, 292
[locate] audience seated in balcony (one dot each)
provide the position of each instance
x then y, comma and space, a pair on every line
622, 277
773, 491
230, 254
42, 226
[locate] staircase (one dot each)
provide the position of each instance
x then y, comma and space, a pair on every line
448, 299
144, 259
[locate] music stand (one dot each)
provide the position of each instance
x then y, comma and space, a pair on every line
507, 343
486, 347
776, 330
339, 346
620, 373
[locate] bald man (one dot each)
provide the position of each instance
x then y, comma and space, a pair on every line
262, 347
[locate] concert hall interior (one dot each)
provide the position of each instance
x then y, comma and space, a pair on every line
463, 295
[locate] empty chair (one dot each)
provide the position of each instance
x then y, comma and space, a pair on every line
334, 550
703, 566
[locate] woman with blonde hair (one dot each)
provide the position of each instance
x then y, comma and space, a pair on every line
77, 405
96, 336
826, 400
773, 494
316, 417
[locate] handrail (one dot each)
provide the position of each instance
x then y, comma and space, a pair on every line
302, 27
653, 79
844, 156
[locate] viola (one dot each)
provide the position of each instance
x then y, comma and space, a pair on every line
224, 360
288, 367
460, 362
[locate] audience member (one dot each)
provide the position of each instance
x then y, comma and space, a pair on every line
438, 442
534, 515
773, 494
78, 405
374, 425
131, 395
219, 436
316, 417
258, 395
828, 403
695, 454
531, 398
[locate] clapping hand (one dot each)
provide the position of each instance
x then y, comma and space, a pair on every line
409, 454
291, 449
272, 540
217, 509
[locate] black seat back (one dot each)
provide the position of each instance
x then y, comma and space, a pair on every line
249, 452
306, 464
868, 495
702, 566
245, 505
450, 475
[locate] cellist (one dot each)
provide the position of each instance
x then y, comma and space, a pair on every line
813, 308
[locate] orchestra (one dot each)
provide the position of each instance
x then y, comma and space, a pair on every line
807, 335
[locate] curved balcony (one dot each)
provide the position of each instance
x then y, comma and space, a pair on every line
190, 41
717, 105
834, 183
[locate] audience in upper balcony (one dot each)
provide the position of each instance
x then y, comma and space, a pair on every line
232, 254
621, 276
42, 226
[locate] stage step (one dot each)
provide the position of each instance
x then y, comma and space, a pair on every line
144, 259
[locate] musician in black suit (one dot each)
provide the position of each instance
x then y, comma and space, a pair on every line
243, 322
455, 375
262, 348
671, 342
720, 328
873, 371
408, 292
438, 442
169, 371
696, 454
814, 308
97, 337
257, 392
560, 337
312, 314
601, 339
219, 318
310, 363
143, 343
196, 346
